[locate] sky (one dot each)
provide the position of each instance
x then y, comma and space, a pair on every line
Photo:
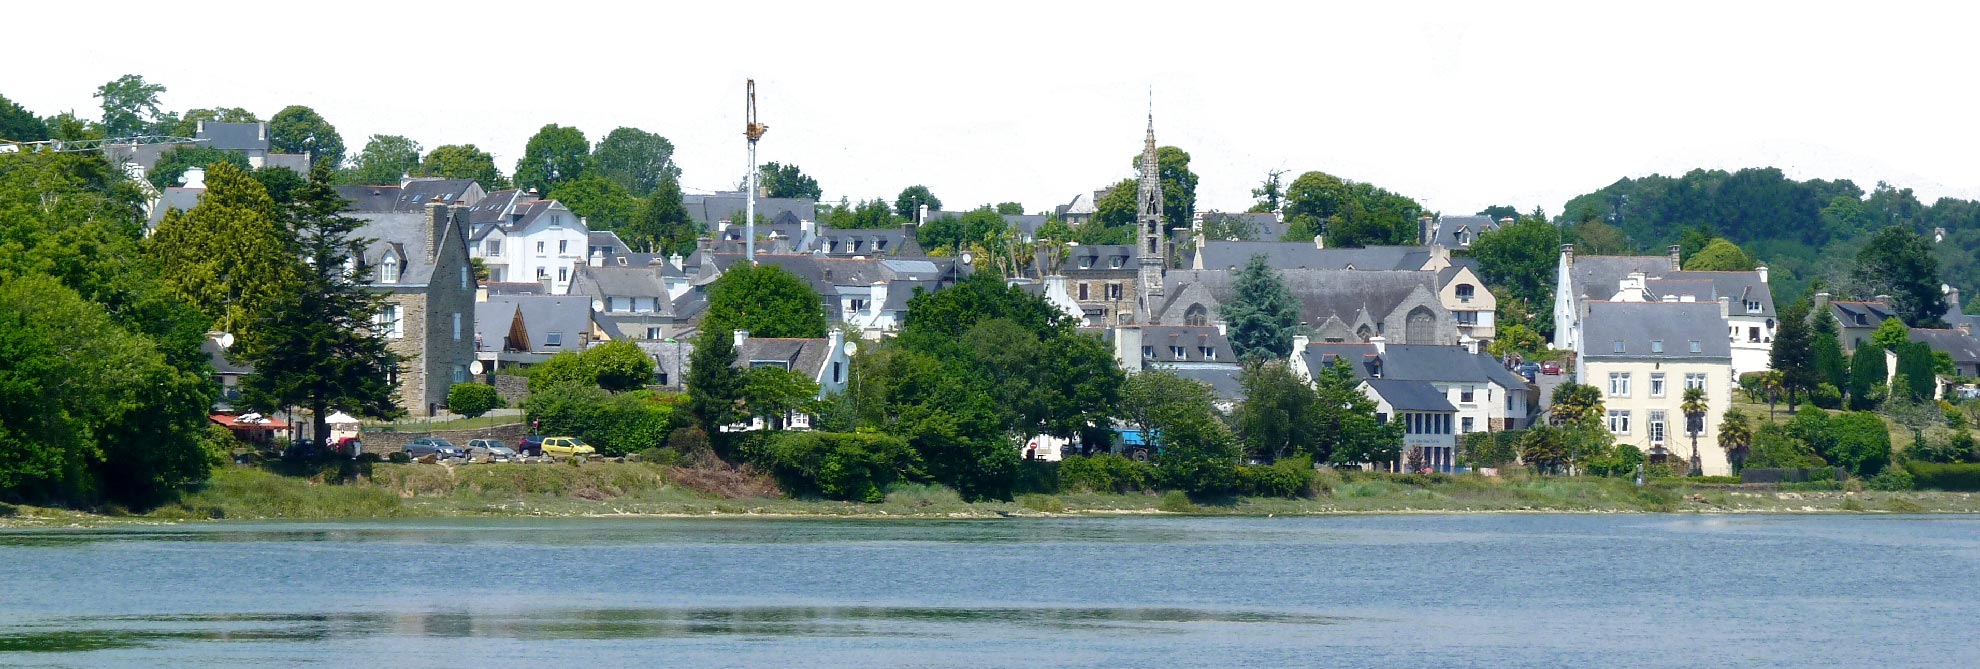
1459, 105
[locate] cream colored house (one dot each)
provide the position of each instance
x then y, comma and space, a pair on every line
1465, 295
1642, 356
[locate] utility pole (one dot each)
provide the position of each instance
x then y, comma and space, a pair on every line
754, 131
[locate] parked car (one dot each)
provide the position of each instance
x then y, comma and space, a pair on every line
490, 450
434, 446
530, 446
1550, 368
567, 446
1530, 372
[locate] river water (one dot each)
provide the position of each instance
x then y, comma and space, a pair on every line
1366, 591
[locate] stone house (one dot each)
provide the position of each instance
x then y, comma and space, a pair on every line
823, 360
419, 259
1338, 305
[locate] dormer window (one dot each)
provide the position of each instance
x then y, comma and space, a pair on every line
1208, 352
1465, 292
1695, 347
1657, 346
1176, 352
1148, 352
388, 271
1087, 263
1752, 307
1619, 346
1116, 264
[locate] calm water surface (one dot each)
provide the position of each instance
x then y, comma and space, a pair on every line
1377, 591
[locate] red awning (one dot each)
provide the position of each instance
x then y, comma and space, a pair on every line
265, 423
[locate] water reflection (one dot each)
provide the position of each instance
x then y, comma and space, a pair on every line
93, 633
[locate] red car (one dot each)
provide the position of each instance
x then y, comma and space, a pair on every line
1550, 368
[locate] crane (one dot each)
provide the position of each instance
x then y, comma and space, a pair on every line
84, 145
754, 131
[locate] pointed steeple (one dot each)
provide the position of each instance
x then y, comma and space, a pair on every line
1152, 252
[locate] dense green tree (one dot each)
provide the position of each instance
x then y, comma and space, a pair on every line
281, 183
473, 399
1270, 194
1574, 403
912, 198
1917, 373
873, 214
1499, 211
1117, 207
555, 155
1775, 447
1595, 238
635, 159
1351, 214
766, 300
1262, 312
1178, 185
1867, 373
316, 344
961, 232
130, 106
1899, 263
1831, 365
463, 161
1198, 455
1793, 353
616, 366
1155, 398
1346, 424
170, 170
603, 203
228, 256
1279, 415
1735, 438
385, 160
1862, 443
1010, 208
773, 393
188, 124
1720, 256
1522, 258
714, 385
299, 129
662, 225
1890, 334
780, 180
20, 125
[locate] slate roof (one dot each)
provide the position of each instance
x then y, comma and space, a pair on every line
404, 234
234, 136
1192, 339
1222, 380
1303, 255
141, 155
413, 196
1100, 257
514, 288
615, 281
175, 197
295, 162
1266, 227
804, 356
1638, 324
541, 314
1410, 395
496, 206
1739, 286
876, 242
1449, 364
707, 209
1964, 348
1449, 226
1873, 313
1599, 277
1321, 292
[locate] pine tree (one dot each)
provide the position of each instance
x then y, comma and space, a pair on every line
1831, 364
227, 257
318, 346
713, 385
1794, 352
1262, 313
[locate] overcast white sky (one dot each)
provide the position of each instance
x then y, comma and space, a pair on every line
1459, 105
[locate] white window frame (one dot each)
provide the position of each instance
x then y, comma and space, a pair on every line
563, 274
1694, 380
1657, 384
493, 247
563, 247
1658, 431
1619, 421
390, 319
1619, 383
388, 270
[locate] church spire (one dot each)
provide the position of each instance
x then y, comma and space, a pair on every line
1152, 252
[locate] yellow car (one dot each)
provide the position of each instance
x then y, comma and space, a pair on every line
567, 446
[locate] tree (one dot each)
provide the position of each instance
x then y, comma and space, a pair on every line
1596, 238
1774, 383
1862, 443
1867, 372
1348, 429
130, 106
555, 155
1225, 227
772, 393
603, 203
1199, 456
1793, 353
1735, 437
227, 257
1522, 258
1010, 208
170, 170
908, 205
1270, 194
1694, 408
1831, 365
473, 399
384, 160
462, 161
766, 300
635, 159
1890, 334
1278, 417
1720, 256
299, 129
1178, 185
317, 344
1261, 313
19, 124
1775, 447
714, 385
951, 232
662, 224
1899, 263
779, 180
1917, 372
616, 366
1574, 403
1154, 399
281, 183
1351, 214
188, 124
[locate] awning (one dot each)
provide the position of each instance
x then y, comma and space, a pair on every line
341, 418
265, 423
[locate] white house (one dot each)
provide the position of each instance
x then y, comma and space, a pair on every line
824, 361
1428, 419
1643, 356
519, 237
1751, 318
1484, 396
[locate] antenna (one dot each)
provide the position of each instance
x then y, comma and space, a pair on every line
753, 131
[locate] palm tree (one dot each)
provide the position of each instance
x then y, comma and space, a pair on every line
1736, 437
1773, 382
1694, 408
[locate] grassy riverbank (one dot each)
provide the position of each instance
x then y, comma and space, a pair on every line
607, 489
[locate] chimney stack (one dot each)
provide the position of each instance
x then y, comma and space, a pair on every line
1677, 258
1567, 254
1821, 302
1319, 242
1424, 231
436, 218
1725, 307
1952, 300
597, 258
1381, 344
741, 336
1762, 271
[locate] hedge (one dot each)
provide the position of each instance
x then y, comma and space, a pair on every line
1105, 472
1950, 477
1291, 477
836, 465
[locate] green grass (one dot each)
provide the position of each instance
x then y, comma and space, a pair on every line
476, 423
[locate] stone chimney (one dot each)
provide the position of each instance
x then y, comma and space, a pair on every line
1381, 344
1425, 230
195, 176
1506, 220
741, 336
1952, 300
1966, 327
1884, 299
1567, 254
1127, 347
436, 220
1470, 344
1725, 307
1224, 329
1821, 302
1677, 258
677, 261
1300, 342
1762, 271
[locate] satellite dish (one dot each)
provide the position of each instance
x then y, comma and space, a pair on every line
967, 258
474, 367
851, 348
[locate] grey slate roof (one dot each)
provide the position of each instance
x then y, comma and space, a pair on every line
875, 242
404, 234
1448, 228
175, 197
234, 136
1871, 313
804, 356
615, 281
1265, 227
1599, 277
1303, 255
413, 196
1100, 257
541, 314
707, 209
1222, 380
1321, 293
1964, 348
294, 162
1738, 286
1410, 395
1638, 325
1450, 364
495, 208
1192, 339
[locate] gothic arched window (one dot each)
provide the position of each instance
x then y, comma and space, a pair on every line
1422, 327
1196, 315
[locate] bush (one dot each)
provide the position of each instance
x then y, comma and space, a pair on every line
1291, 477
1936, 476
1104, 472
662, 456
473, 399
1176, 501
922, 495
1826, 396
1037, 476
1891, 479
399, 457
1042, 503
834, 465
614, 424
617, 366
1862, 443
218, 444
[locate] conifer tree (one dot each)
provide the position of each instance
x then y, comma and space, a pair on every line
1793, 354
1262, 313
227, 257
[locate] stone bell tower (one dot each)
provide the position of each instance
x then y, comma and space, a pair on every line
1152, 253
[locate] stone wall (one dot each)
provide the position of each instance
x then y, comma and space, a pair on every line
387, 442
513, 389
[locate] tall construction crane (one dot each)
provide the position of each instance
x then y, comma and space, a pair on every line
85, 145
754, 131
